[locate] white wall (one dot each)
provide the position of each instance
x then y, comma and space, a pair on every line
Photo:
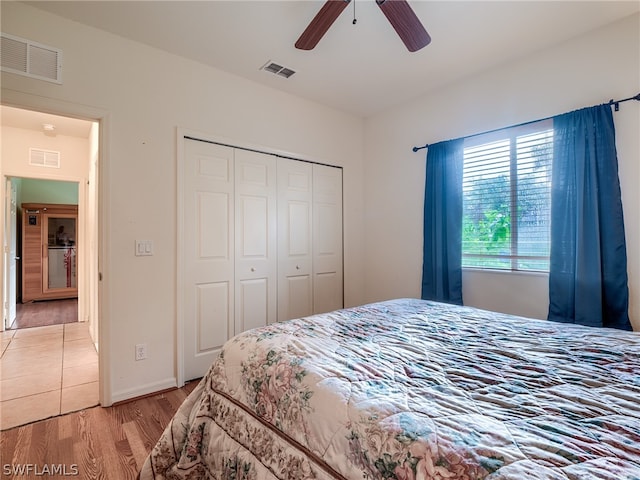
582, 72
146, 94
15, 155
47, 191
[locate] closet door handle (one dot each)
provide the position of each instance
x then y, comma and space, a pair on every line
253, 269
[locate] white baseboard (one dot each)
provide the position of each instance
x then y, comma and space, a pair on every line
145, 389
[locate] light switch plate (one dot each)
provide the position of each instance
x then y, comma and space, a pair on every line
144, 248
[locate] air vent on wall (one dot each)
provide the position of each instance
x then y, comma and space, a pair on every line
44, 158
277, 69
30, 59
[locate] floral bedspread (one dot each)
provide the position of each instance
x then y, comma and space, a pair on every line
410, 389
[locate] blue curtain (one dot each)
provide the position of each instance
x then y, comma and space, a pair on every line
442, 259
588, 271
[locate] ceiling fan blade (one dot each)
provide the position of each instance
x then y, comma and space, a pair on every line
328, 14
406, 23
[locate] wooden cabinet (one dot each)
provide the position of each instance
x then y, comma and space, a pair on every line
49, 267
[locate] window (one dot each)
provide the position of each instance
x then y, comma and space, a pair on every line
507, 198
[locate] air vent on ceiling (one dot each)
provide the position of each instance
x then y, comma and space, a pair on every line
277, 69
44, 158
30, 59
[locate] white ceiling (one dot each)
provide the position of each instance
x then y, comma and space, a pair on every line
362, 68
29, 120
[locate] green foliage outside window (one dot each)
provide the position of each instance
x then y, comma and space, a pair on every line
497, 207
486, 228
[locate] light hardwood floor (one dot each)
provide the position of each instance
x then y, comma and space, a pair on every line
42, 314
98, 443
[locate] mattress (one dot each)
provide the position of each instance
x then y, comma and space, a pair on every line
410, 389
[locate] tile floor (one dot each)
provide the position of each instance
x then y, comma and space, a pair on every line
46, 371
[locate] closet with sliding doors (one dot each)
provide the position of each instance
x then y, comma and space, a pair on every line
262, 244
49, 235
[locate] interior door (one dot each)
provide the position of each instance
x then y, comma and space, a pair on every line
208, 291
11, 252
327, 239
295, 282
255, 246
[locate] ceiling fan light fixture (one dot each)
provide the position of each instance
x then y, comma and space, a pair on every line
406, 23
328, 14
398, 12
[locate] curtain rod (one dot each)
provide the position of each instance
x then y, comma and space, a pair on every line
615, 103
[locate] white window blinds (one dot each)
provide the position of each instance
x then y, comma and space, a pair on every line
507, 197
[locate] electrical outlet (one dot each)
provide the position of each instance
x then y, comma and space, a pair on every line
141, 351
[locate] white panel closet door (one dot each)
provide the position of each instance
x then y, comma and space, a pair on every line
327, 239
208, 253
295, 285
255, 247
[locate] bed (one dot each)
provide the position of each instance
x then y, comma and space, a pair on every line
410, 389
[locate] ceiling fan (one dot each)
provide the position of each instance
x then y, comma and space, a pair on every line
398, 12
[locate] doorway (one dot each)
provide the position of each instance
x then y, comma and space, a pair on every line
41, 274
44, 248
52, 323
